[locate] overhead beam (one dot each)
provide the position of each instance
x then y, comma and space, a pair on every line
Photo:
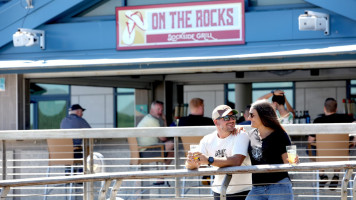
14, 15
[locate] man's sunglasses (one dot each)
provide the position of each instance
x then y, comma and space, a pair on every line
228, 117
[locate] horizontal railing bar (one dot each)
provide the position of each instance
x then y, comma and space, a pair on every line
180, 173
291, 129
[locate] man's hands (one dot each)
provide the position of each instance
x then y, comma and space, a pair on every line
195, 159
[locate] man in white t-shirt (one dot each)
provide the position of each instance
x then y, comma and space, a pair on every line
224, 148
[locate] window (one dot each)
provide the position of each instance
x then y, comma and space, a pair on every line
49, 105
125, 107
260, 89
230, 95
353, 88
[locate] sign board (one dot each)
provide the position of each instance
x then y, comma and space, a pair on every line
180, 25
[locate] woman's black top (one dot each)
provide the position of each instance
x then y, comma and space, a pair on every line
268, 151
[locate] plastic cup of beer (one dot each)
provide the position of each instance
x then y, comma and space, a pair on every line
193, 149
292, 154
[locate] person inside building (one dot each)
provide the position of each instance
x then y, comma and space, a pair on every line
279, 103
196, 116
268, 141
156, 118
75, 120
224, 148
246, 114
330, 116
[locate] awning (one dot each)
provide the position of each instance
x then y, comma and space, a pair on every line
252, 56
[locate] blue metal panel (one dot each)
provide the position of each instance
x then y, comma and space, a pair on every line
266, 26
266, 31
269, 25
15, 11
14, 16
345, 8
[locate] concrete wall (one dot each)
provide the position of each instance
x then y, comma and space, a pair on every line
11, 103
99, 102
213, 96
311, 95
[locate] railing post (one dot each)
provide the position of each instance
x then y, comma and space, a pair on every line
4, 160
345, 181
224, 186
354, 189
176, 157
88, 186
4, 192
104, 189
115, 189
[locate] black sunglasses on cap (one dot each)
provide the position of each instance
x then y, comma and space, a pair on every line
228, 117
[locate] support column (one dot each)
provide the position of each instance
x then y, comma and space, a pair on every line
12, 107
243, 95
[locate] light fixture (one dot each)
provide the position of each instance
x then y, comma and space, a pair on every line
28, 37
314, 21
29, 4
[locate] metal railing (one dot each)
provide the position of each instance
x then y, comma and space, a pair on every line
348, 166
36, 137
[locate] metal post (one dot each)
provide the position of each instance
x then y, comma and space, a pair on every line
354, 189
344, 183
104, 188
115, 189
91, 170
224, 186
88, 186
4, 160
4, 192
176, 157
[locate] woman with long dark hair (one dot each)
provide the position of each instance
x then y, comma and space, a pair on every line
268, 143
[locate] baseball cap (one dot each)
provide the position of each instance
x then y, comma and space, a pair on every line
222, 111
76, 107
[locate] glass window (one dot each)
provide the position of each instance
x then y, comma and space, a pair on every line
260, 89
125, 113
48, 89
230, 95
51, 113
353, 88
32, 120
49, 103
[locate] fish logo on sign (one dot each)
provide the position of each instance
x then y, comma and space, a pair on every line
134, 19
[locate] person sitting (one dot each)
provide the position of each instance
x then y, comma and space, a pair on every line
156, 118
329, 116
196, 116
246, 115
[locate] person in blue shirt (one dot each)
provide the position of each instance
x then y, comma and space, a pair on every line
74, 120
246, 114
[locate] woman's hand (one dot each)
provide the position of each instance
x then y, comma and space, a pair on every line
278, 92
238, 130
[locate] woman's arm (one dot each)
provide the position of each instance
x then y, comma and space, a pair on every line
289, 107
266, 96
285, 158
